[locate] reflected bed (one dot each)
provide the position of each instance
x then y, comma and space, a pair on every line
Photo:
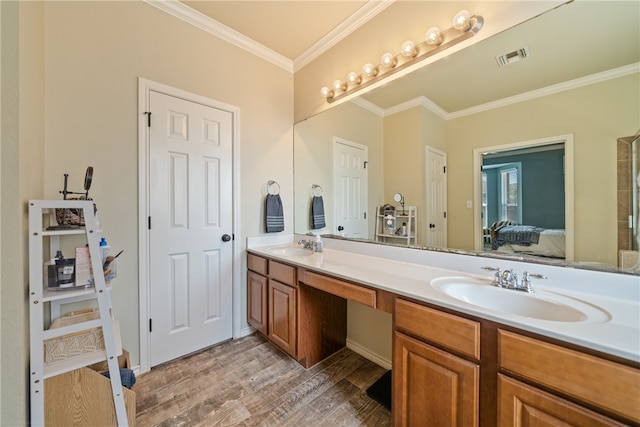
531, 240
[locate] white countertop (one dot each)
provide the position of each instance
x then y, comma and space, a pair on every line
618, 296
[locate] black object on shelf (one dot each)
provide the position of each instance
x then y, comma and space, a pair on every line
380, 391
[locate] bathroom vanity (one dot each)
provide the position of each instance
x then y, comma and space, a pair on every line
561, 355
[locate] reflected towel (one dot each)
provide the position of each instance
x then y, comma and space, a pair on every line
317, 213
274, 215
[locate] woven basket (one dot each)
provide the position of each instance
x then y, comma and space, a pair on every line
67, 346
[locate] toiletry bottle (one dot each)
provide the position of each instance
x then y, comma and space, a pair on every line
404, 228
318, 243
104, 249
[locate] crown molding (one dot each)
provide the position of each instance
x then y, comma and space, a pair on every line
368, 11
211, 26
421, 101
369, 106
191, 16
549, 90
526, 96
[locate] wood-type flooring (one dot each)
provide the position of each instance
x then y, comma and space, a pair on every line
250, 382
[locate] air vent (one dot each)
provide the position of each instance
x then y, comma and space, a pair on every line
511, 57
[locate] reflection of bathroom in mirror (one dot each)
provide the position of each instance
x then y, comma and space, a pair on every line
400, 199
628, 178
582, 85
523, 199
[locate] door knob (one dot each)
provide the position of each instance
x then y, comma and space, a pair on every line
340, 228
432, 226
226, 237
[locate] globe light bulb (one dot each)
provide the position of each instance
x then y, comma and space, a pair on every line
388, 60
326, 92
433, 36
461, 20
409, 49
353, 78
338, 86
369, 70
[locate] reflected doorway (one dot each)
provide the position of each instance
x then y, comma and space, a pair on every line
350, 188
525, 191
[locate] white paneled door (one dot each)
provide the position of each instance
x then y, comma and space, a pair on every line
350, 188
190, 204
436, 186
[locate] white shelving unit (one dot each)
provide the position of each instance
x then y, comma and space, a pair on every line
42, 214
394, 234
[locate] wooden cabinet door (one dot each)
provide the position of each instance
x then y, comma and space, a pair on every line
257, 301
282, 316
520, 405
432, 387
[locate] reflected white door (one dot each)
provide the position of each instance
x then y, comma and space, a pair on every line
350, 188
436, 176
190, 180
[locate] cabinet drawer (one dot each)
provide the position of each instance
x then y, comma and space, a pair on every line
339, 288
523, 405
602, 383
282, 273
451, 331
257, 264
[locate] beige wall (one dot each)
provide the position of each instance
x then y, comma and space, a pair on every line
403, 157
76, 105
22, 172
403, 20
94, 55
313, 153
406, 135
595, 126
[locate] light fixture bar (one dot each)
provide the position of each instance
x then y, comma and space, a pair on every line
447, 38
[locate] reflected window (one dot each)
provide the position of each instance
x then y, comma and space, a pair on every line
510, 194
485, 205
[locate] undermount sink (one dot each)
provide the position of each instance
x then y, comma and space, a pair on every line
541, 305
290, 251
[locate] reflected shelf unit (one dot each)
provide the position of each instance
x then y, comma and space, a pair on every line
401, 219
42, 300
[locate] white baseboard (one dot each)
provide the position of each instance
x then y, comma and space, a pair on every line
368, 354
244, 332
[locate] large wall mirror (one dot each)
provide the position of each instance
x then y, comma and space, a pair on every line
537, 143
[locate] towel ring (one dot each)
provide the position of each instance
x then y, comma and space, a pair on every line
273, 188
317, 190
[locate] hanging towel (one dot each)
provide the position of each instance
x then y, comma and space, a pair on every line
317, 213
274, 215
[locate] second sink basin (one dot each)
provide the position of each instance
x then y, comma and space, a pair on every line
290, 251
541, 305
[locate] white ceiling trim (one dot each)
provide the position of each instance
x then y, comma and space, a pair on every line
550, 90
369, 10
538, 93
211, 26
369, 106
422, 101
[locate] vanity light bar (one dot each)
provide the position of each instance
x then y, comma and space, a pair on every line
464, 26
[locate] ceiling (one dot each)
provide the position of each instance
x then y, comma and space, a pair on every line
564, 44
568, 45
289, 27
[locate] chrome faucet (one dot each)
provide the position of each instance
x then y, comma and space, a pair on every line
526, 281
509, 280
306, 244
